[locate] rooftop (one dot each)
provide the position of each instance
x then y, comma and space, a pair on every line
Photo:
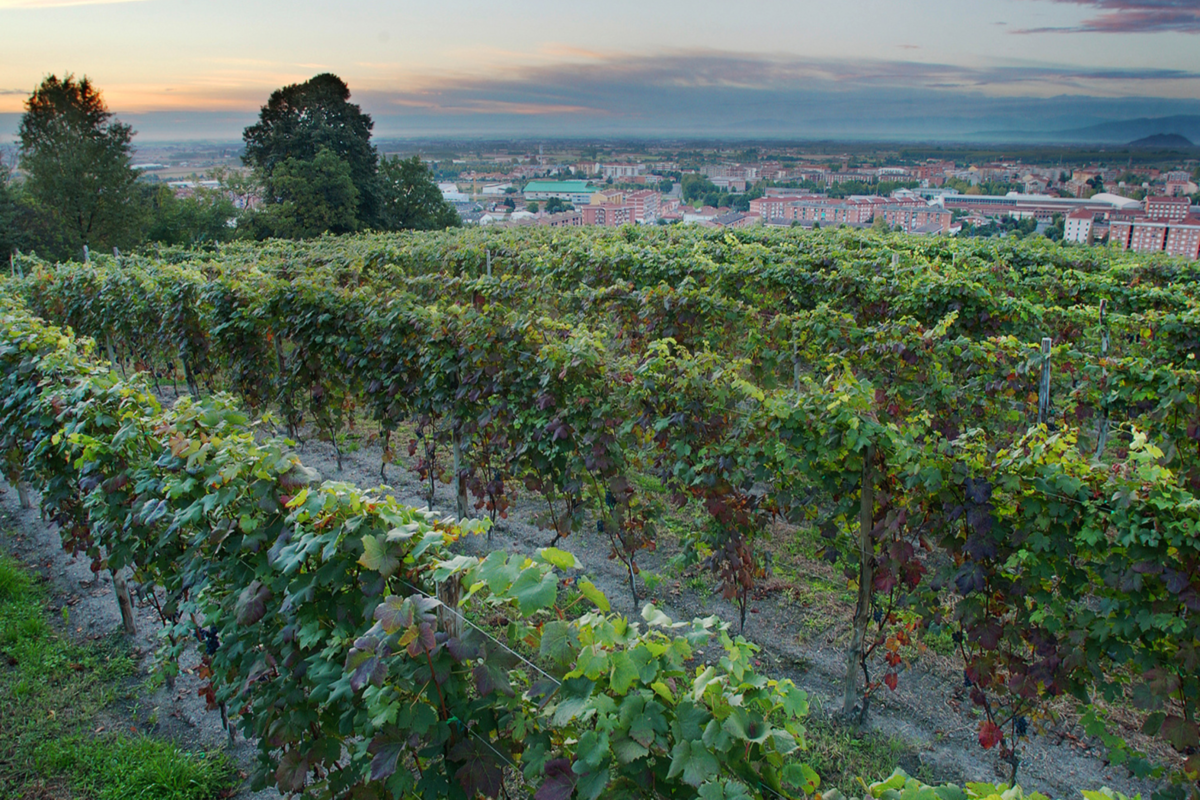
574, 187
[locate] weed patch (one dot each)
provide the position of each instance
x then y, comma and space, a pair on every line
52, 691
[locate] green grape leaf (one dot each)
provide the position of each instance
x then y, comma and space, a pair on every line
377, 556
692, 761
534, 590
595, 596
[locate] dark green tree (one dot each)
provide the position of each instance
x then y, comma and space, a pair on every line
200, 218
77, 159
556, 205
301, 120
306, 198
8, 212
410, 200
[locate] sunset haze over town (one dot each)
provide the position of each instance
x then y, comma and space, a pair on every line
781, 68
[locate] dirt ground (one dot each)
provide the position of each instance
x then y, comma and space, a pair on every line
800, 640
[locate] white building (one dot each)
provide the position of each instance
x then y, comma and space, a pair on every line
1078, 226
451, 194
617, 171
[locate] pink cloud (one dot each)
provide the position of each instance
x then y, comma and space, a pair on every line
1132, 16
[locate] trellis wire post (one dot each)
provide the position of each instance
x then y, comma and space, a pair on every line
862, 612
489, 263
795, 363
460, 486
1044, 394
1102, 433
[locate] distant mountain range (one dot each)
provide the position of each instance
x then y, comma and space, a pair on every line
1172, 132
1130, 130
1171, 141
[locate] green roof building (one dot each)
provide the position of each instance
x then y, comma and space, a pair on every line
575, 192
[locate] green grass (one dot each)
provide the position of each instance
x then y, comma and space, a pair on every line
841, 755
54, 695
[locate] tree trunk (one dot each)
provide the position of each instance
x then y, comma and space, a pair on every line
862, 612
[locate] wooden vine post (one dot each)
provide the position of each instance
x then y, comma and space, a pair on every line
1102, 433
124, 602
795, 363
853, 699
460, 485
1044, 392
449, 592
23, 495
489, 263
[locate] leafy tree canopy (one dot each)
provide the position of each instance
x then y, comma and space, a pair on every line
201, 218
77, 159
309, 197
301, 120
410, 200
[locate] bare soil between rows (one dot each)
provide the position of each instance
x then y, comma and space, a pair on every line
799, 628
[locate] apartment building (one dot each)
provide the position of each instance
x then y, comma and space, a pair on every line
1169, 225
645, 204
608, 215
1168, 208
912, 218
1149, 236
1183, 238
1079, 226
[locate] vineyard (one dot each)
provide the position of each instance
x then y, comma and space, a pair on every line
993, 443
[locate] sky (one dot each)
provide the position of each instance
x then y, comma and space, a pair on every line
183, 69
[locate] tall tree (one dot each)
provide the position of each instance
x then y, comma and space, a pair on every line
301, 120
77, 158
410, 200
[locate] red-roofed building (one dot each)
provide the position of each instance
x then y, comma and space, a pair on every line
1079, 226
774, 207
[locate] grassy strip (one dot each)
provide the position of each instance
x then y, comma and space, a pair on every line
53, 693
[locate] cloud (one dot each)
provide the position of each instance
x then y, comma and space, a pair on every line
723, 94
608, 77
1132, 16
685, 94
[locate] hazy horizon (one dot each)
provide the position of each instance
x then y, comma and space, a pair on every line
791, 70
